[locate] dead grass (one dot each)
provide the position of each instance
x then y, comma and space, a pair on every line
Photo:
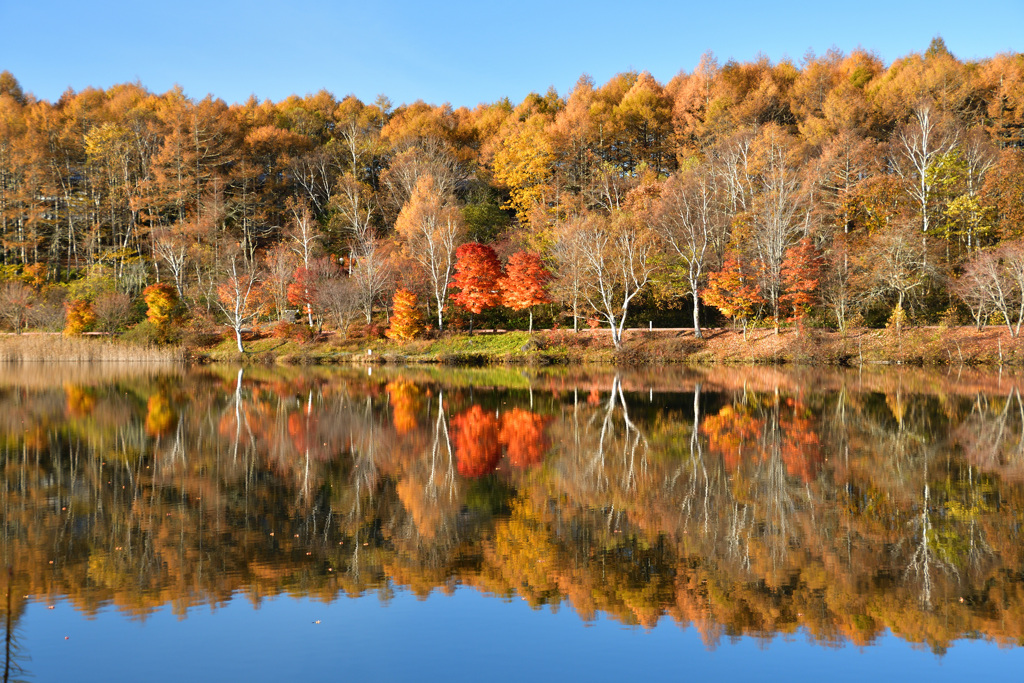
42, 347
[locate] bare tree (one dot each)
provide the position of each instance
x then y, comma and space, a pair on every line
837, 285
894, 263
567, 251
172, 247
617, 264
16, 301
235, 294
917, 146
775, 215
371, 272
339, 299
369, 268
428, 156
689, 220
317, 172
279, 264
304, 237
994, 280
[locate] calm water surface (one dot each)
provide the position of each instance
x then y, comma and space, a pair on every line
215, 524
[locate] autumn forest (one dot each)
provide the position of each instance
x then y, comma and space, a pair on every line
834, 192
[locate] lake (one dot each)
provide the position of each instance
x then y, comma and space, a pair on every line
166, 524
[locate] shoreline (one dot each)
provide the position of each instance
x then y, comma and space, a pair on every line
918, 346
937, 346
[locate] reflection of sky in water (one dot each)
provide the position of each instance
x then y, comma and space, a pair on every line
465, 636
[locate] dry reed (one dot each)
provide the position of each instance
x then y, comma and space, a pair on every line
41, 347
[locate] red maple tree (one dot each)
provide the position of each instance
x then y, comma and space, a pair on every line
524, 283
477, 271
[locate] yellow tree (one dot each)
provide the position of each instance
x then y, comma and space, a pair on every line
523, 163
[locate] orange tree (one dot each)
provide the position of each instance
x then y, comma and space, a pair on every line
524, 283
731, 291
477, 271
161, 301
406, 320
79, 317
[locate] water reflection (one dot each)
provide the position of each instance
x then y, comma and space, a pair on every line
740, 501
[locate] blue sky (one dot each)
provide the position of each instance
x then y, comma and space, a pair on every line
458, 51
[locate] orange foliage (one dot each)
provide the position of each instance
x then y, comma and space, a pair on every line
403, 397
160, 417
161, 300
732, 291
79, 317
80, 401
406, 320
728, 432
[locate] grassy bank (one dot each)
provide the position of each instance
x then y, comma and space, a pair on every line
991, 346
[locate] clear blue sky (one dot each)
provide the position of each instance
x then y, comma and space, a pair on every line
457, 51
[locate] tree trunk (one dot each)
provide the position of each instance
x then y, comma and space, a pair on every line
696, 317
238, 339
531, 320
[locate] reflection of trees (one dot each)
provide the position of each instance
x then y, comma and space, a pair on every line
992, 436
739, 510
592, 454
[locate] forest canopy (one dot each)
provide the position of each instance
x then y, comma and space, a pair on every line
839, 191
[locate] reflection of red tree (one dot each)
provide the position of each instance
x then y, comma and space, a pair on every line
801, 450
522, 433
736, 436
477, 447
302, 433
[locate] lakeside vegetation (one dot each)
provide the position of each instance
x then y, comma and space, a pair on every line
877, 208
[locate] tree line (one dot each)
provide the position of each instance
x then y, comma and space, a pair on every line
838, 191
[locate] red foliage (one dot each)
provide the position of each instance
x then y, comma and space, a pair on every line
522, 433
477, 271
801, 271
477, 447
524, 282
303, 290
